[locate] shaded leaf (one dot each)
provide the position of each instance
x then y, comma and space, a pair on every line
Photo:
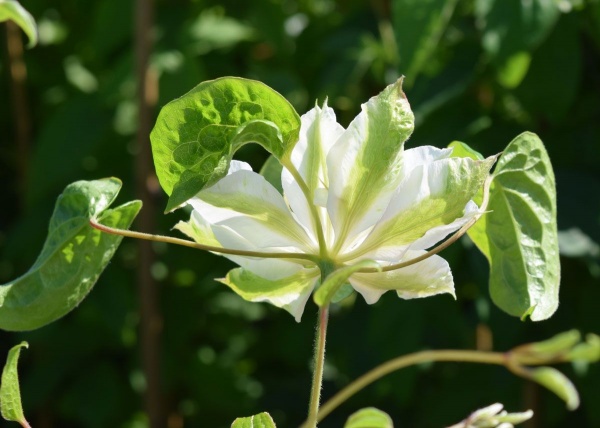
12, 9
513, 26
519, 234
262, 420
72, 258
195, 136
418, 26
10, 392
369, 417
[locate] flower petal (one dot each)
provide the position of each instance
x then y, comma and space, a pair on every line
201, 231
289, 293
365, 164
431, 202
318, 132
244, 202
426, 278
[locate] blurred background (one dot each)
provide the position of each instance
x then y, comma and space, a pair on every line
158, 343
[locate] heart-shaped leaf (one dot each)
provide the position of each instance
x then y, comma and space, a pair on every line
519, 235
196, 136
72, 259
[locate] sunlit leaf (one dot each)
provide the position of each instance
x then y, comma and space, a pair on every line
558, 383
12, 9
196, 135
519, 234
72, 258
369, 417
10, 392
262, 420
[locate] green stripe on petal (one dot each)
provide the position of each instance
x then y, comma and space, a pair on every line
365, 164
423, 279
290, 293
432, 196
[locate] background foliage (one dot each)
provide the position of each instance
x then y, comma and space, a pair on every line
480, 71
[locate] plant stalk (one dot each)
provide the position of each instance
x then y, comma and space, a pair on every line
187, 243
319, 363
497, 358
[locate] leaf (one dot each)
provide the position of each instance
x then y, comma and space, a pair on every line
72, 258
519, 234
10, 393
418, 26
513, 26
462, 150
558, 383
195, 136
369, 417
12, 9
262, 420
335, 280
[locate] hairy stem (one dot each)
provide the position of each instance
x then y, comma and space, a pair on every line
378, 372
187, 243
319, 363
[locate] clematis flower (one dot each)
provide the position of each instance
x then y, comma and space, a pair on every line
348, 195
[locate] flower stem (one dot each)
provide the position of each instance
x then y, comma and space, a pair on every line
319, 362
186, 243
313, 209
378, 372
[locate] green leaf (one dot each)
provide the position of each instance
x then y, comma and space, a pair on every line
262, 420
369, 417
72, 258
519, 234
12, 9
334, 281
196, 136
558, 383
462, 150
10, 393
557, 344
418, 26
513, 26
271, 170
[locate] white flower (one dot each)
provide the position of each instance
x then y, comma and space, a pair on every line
348, 195
494, 417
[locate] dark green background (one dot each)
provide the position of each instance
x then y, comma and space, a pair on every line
477, 71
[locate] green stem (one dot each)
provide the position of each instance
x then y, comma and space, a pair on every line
378, 372
319, 363
313, 209
186, 243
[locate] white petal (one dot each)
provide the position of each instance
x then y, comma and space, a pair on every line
222, 236
318, 132
426, 278
422, 155
246, 203
431, 202
365, 164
